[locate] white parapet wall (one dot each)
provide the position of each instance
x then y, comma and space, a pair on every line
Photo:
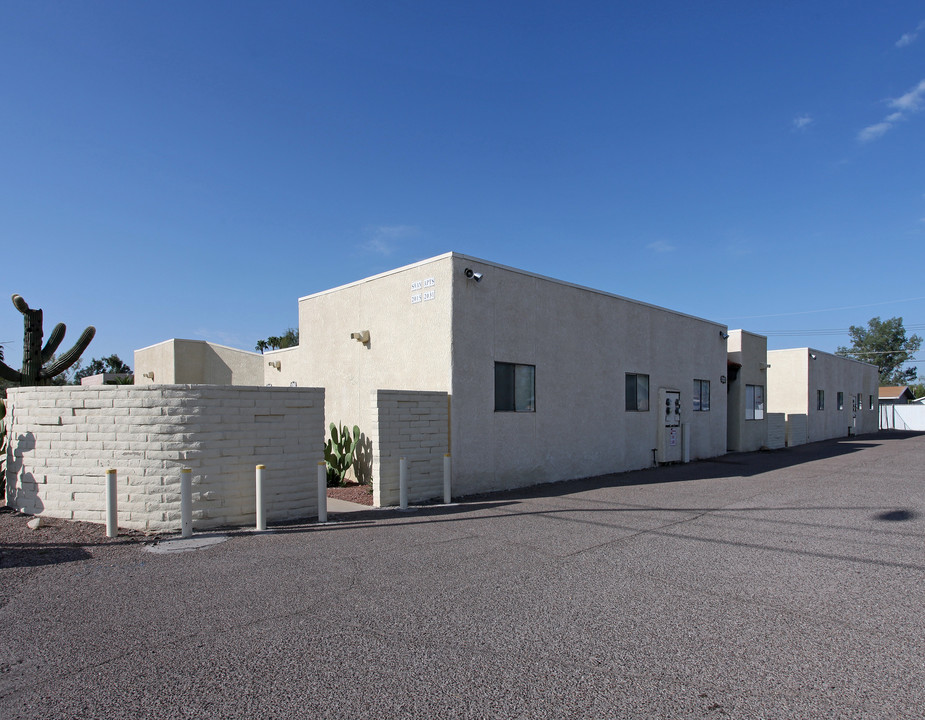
63, 439
777, 430
413, 425
796, 429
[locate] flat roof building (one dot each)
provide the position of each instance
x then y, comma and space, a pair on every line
836, 395
524, 379
545, 380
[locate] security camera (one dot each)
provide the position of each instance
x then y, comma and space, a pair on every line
472, 275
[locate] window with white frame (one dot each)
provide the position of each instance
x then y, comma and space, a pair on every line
701, 400
515, 387
840, 401
637, 392
820, 399
754, 402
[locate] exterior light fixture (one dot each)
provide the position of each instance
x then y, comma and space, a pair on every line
812, 355
362, 336
472, 275
275, 364
724, 335
149, 375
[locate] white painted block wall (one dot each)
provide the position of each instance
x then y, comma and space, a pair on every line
413, 425
796, 429
63, 439
777, 430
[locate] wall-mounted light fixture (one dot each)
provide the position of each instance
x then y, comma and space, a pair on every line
362, 336
473, 275
724, 335
722, 379
812, 356
275, 364
763, 366
149, 375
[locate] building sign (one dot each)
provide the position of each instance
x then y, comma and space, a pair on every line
417, 286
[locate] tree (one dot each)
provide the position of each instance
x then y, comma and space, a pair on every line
112, 364
884, 343
277, 342
918, 390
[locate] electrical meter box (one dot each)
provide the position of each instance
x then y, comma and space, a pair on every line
669, 425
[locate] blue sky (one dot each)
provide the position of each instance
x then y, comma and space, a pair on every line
190, 169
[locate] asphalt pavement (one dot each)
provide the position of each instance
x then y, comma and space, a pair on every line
784, 584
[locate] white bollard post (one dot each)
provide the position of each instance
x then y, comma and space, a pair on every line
186, 502
261, 507
403, 483
322, 493
447, 472
112, 504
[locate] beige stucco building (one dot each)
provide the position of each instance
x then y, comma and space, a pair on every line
747, 416
196, 362
837, 395
545, 380
532, 379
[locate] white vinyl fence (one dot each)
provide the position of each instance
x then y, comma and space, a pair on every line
902, 417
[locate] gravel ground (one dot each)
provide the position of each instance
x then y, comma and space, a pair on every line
360, 494
55, 541
766, 585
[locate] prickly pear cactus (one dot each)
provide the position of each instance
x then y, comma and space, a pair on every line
34, 356
339, 452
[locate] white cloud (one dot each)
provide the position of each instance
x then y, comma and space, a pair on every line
905, 105
383, 239
660, 246
911, 101
910, 37
802, 121
872, 132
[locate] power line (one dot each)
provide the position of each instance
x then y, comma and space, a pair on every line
824, 331
810, 312
874, 352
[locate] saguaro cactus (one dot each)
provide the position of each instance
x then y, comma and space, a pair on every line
34, 356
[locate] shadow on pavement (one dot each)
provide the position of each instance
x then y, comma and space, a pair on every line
29, 555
